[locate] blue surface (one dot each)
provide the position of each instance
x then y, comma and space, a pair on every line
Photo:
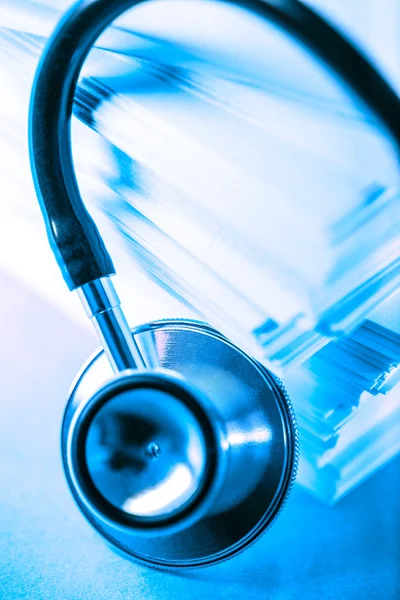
47, 551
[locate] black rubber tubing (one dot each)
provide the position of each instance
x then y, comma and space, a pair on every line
74, 238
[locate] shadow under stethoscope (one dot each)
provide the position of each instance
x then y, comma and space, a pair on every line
309, 547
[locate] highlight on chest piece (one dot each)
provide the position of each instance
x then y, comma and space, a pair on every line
178, 474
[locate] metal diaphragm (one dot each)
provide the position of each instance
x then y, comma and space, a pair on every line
188, 462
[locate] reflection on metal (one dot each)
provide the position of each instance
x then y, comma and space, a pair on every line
178, 483
102, 305
146, 452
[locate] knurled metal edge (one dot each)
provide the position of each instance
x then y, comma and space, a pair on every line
296, 441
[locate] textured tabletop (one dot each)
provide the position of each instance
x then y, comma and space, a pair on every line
47, 550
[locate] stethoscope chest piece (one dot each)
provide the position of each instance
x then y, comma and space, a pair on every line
180, 475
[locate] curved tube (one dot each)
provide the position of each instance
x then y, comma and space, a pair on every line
74, 238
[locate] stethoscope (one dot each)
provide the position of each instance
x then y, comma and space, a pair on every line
178, 447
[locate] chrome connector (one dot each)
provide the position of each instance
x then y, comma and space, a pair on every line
102, 305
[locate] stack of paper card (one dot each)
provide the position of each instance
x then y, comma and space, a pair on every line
347, 400
269, 199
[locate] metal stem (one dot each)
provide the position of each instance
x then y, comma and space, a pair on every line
102, 306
